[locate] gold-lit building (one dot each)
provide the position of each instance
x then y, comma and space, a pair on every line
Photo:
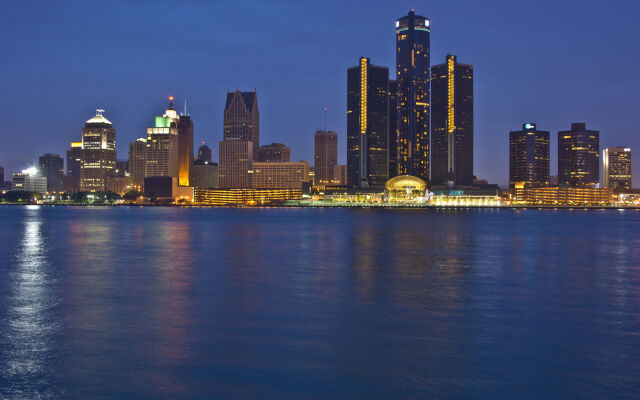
98, 155
404, 187
616, 167
561, 196
231, 197
279, 175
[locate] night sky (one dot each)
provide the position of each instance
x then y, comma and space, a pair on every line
547, 61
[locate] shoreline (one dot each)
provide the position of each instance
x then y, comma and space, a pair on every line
405, 206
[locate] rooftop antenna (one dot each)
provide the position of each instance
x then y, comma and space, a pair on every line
185, 106
325, 118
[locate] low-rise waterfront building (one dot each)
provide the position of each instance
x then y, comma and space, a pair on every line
561, 196
29, 181
231, 197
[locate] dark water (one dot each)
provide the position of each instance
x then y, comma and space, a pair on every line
318, 303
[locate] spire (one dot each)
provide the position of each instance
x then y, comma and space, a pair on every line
185, 106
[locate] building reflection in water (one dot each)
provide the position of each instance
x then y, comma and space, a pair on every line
28, 332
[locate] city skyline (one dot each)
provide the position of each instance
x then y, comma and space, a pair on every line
506, 78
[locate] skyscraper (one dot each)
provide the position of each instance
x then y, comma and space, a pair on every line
325, 152
204, 153
274, 152
413, 79
52, 168
236, 158
98, 153
616, 168
185, 146
242, 119
1, 177
529, 157
163, 145
138, 164
367, 125
393, 128
74, 165
578, 156
452, 123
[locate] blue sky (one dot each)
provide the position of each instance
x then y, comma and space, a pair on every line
549, 62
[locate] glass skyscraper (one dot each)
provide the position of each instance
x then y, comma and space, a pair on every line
452, 126
578, 156
413, 80
529, 157
367, 125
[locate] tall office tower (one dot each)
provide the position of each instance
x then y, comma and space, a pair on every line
137, 164
236, 158
52, 167
367, 125
393, 128
74, 165
163, 145
274, 152
204, 153
1, 177
325, 150
529, 157
241, 118
578, 156
185, 145
616, 168
98, 153
412, 76
452, 123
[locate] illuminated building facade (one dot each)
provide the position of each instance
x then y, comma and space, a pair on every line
236, 158
29, 181
578, 156
274, 152
163, 145
325, 149
185, 148
404, 187
204, 153
393, 129
204, 175
279, 175
137, 164
529, 156
367, 125
452, 123
74, 164
52, 167
413, 80
616, 168
242, 119
231, 197
98, 156
561, 196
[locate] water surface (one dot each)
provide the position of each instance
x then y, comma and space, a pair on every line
318, 303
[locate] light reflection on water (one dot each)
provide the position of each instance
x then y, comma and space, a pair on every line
29, 327
282, 303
